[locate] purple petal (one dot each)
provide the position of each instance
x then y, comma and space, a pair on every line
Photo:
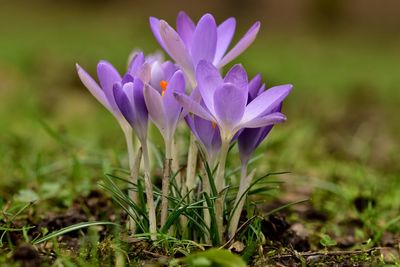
157, 75
155, 28
135, 64
254, 86
169, 69
242, 45
175, 46
225, 33
266, 102
247, 142
208, 79
108, 76
237, 76
140, 109
155, 107
172, 107
93, 87
190, 122
230, 102
123, 102
185, 28
273, 118
191, 106
204, 40
144, 72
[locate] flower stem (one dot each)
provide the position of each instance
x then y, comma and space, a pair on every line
191, 164
207, 216
129, 144
149, 192
133, 193
219, 184
166, 180
240, 199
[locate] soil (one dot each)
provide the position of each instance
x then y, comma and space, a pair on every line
287, 243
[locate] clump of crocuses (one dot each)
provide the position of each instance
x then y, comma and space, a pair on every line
220, 110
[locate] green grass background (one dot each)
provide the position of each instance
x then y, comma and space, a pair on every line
341, 139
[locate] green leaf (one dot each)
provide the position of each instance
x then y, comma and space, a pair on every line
218, 257
68, 229
327, 241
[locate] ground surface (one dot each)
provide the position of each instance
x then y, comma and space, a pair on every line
340, 144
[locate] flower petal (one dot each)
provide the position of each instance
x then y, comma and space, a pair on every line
155, 107
93, 87
237, 76
225, 32
270, 119
140, 109
123, 102
254, 86
266, 102
155, 28
191, 106
172, 107
242, 45
108, 76
204, 40
229, 103
185, 28
208, 79
175, 47
136, 63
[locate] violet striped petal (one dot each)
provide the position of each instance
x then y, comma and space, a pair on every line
155, 28
230, 102
136, 63
108, 76
266, 102
242, 45
123, 102
204, 41
225, 32
237, 76
171, 106
270, 119
185, 28
155, 107
175, 47
191, 106
254, 86
141, 111
208, 79
93, 87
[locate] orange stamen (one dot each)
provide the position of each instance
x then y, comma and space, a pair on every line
214, 125
163, 85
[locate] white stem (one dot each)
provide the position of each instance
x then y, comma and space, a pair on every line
207, 217
191, 164
149, 192
166, 181
129, 144
133, 193
245, 181
219, 184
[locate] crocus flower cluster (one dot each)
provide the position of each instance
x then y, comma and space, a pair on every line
219, 110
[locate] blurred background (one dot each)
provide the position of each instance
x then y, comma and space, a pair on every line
341, 140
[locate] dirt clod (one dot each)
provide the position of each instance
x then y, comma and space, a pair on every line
27, 256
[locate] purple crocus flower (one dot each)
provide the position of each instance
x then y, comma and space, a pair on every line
208, 135
191, 43
250, 138
226, 101
107, 75
163, 108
